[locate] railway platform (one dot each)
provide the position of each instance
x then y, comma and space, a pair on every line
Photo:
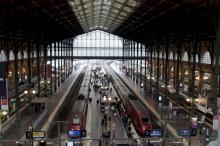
172, 122
37, 119
95, 130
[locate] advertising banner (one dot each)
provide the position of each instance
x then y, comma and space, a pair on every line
3, 87
3, 91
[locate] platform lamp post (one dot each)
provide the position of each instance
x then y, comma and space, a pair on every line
30, 94
2, 113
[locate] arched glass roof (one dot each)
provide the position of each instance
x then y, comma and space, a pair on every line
103, 14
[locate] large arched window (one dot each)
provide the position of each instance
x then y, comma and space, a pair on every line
97, 43
19, 55
185, 56
2, 56
171, 56
206, 58
161, 55
11, 55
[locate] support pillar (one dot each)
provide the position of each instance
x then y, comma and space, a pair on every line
59, 69
17, 101
151, 69
178, 67
215, 92
45, 70
38, 67
158, 70
137, 65
167, 70
29, 76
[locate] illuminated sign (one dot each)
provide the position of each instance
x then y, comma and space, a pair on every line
38, 134
185, 132
156, 133
74, 133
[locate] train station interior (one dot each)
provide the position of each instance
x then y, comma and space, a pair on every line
109, 73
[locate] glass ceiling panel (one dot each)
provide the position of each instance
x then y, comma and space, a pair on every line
103, 14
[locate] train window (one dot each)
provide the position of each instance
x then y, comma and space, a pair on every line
145, 120
76, 120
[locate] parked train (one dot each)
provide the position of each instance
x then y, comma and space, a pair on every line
79, 111
137, 112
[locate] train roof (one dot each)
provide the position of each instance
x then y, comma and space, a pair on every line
78, 106
141, 108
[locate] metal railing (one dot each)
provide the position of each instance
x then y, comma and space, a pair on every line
106, 142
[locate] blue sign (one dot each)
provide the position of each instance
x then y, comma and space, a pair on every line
156, 133
3, 90
185, 132
74, 133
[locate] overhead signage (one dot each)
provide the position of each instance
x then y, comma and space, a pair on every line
74, 133
185, 132
38, 134
156, 133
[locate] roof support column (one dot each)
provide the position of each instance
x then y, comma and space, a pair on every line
178, 66
167, 70
133, 75
51, 77
17, 101
151, 68
141, 60
123, 50
59, 70
29, 76
45, 69
145, 65
158, 70
137, 64
131, 68
55, 66
65, 61
192, 93
38, 67
215, 92
128, 54
61, 65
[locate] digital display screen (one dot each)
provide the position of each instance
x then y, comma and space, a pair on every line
74, 133
156, 133
185, 132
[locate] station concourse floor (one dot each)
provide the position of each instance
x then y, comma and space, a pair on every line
157, 107
14, 134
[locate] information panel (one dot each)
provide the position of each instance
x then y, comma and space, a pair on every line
38, 134
74, 133
185, 132
156, 133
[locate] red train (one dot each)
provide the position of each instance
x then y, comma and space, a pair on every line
79, 112
137, 112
